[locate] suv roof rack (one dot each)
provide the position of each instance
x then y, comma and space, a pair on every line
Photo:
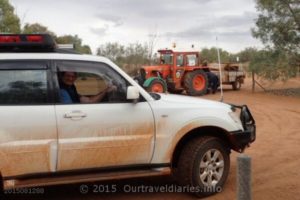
66, 48
67, 51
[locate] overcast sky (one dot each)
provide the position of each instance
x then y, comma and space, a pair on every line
184, 22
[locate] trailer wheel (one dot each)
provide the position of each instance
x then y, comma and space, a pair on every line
236, 85
196, 83
203, 164
156, 86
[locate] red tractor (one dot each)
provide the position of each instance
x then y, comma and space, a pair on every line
177, 71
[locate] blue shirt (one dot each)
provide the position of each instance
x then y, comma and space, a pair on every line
64, 97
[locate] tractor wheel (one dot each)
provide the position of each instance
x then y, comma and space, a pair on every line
156, 86
196, 83
236, 85
203, 164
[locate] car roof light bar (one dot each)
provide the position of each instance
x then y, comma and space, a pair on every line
27, 43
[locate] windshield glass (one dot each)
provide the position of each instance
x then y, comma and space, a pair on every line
192, 60
166, 59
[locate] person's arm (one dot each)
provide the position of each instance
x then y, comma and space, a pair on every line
98, 97
94, 99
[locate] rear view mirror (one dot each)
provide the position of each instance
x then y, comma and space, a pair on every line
133, 93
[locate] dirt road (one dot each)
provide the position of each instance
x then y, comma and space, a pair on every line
275, 156
275, 153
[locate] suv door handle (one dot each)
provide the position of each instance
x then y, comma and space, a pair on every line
75, 115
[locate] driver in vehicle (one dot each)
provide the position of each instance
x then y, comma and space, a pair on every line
68, 93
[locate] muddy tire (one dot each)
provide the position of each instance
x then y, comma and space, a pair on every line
203, 166
236, 85
156, 86
196, 83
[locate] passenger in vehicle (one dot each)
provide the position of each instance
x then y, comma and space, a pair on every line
68, 93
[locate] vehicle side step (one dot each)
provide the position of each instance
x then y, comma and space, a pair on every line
89, 177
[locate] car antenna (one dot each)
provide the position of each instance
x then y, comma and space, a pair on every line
220, 70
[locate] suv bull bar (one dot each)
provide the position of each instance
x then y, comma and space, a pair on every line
242, 138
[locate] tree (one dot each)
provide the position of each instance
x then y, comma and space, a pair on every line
136, 54
70, 39
114, 51
152, 40
36, 28
278, 27
211, 55
263, 63
129, 58
247, 54
278, 24
9, 22
66, 39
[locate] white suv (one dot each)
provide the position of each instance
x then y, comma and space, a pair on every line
129, 133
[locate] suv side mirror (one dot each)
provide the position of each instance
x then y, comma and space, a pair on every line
133, 93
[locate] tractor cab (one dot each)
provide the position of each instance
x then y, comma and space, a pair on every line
176, 72
179, 59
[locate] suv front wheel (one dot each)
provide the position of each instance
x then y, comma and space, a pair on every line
203, 166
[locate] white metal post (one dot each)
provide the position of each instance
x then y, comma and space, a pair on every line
220, 70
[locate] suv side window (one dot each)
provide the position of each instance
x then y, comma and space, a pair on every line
92, 78
23, 85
